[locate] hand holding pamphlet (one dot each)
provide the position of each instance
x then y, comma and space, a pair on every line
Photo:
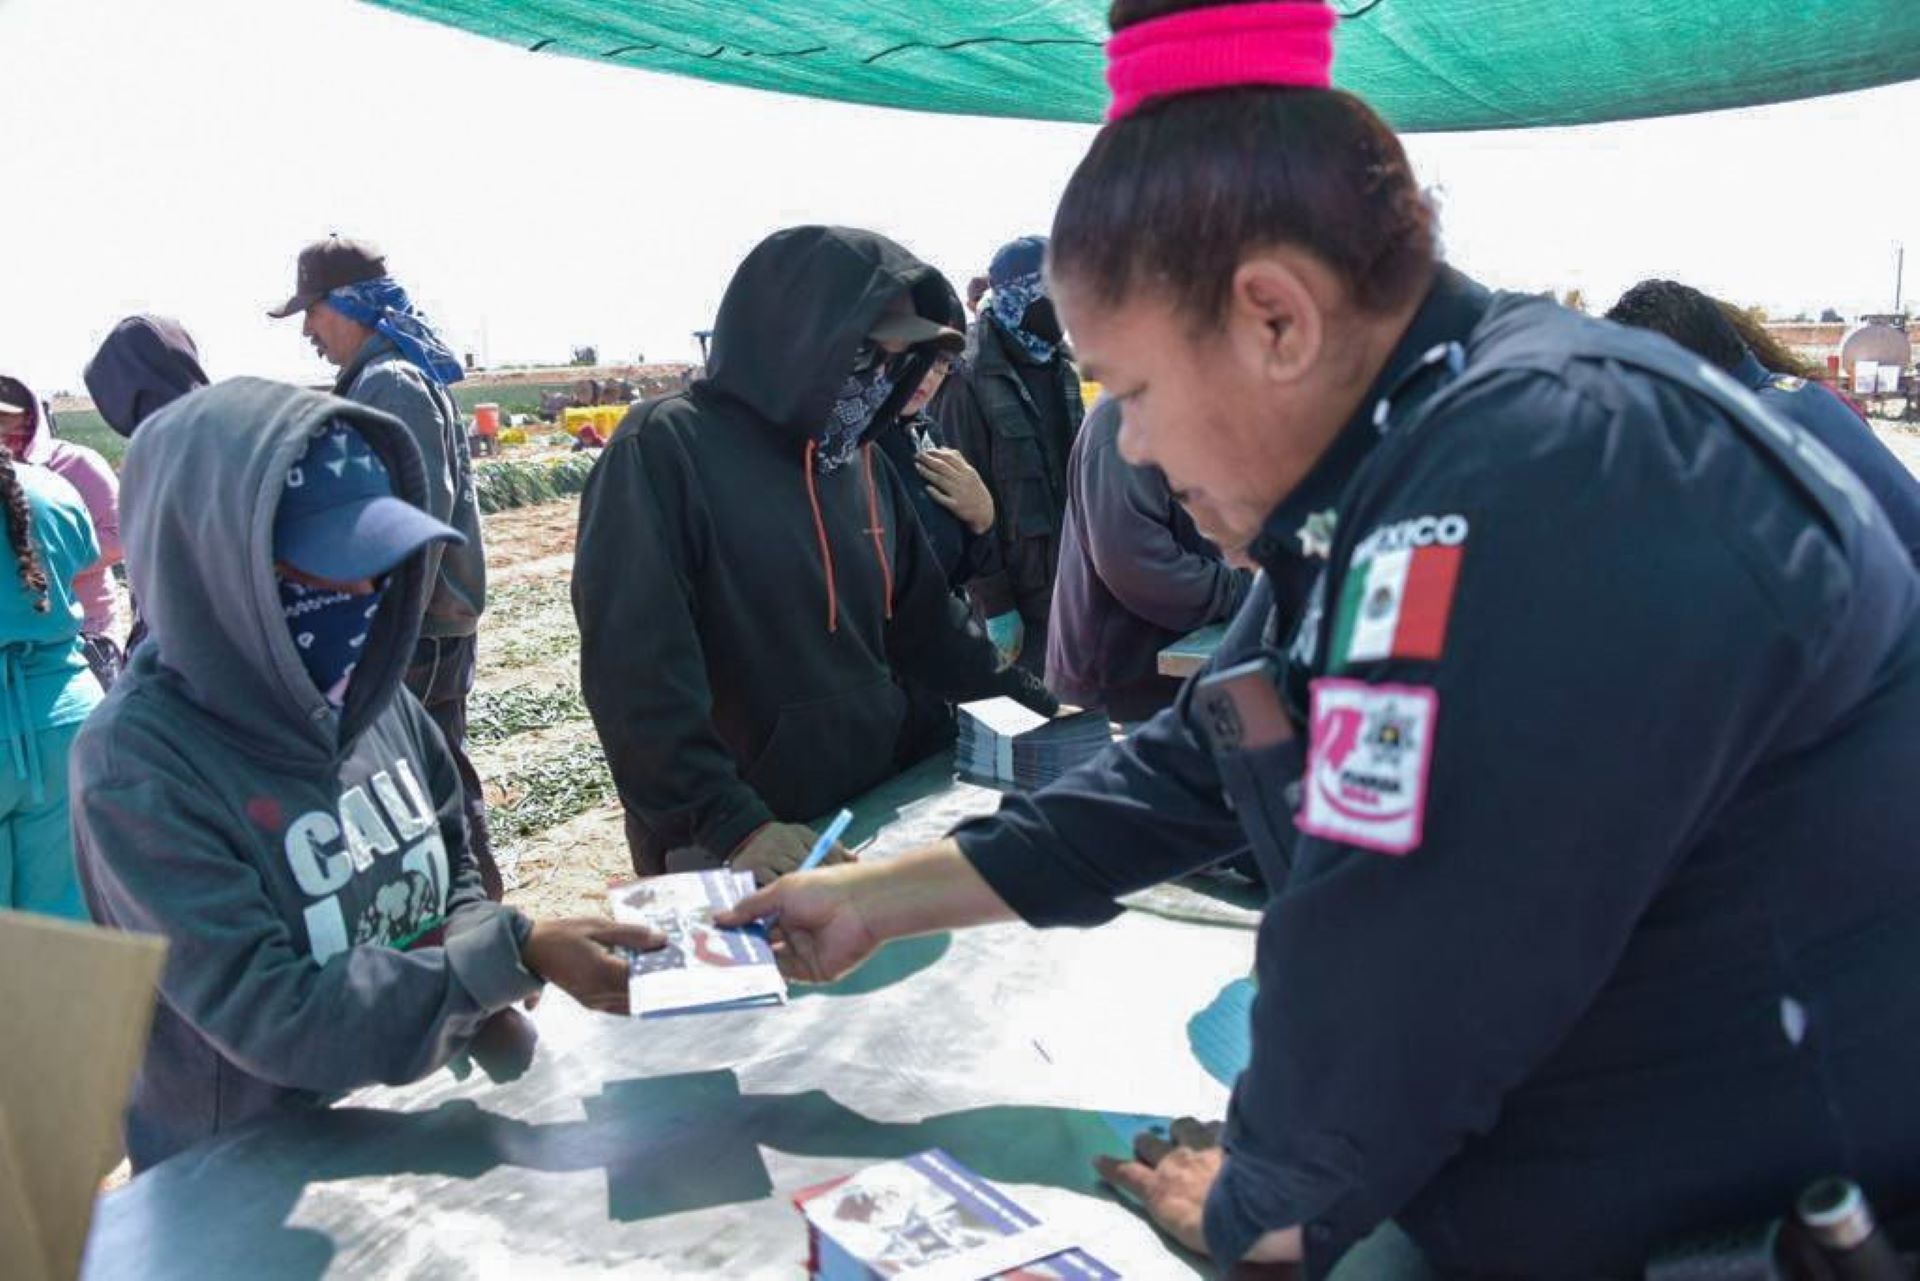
702, 967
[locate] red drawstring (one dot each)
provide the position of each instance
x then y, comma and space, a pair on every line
820, 532
878, 530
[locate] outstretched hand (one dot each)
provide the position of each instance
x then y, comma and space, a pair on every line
817, 931
578, 956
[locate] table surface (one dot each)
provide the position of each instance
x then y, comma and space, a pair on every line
1190, 653
671, 1148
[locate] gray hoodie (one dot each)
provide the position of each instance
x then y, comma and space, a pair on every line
381, 377
309, 869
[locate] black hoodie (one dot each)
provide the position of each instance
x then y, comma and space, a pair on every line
742, 617
145, 364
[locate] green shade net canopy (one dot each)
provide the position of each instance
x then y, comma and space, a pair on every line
1425, 64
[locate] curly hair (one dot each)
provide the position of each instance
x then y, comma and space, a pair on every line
1766, 348
1684, 314
33, 571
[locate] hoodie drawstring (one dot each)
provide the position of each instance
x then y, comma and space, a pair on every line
875, 528
820, 532
878, 530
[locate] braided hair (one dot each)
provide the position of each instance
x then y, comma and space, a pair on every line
13, 495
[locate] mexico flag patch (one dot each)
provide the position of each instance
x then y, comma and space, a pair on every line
1397, 596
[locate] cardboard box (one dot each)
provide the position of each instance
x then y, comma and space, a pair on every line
78, 1003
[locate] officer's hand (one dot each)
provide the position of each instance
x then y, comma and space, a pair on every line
776, 849
820, 933
1170, 1177
578, 957
1008, 633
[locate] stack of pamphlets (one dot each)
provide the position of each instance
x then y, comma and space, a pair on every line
929, 1218
1004, 744
702, 967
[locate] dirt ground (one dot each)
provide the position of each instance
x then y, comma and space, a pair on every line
556, 825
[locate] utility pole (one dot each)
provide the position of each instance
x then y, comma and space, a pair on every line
1899, 277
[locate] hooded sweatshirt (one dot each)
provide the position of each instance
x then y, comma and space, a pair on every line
309, 868
380, 376
144, 365
743, 615
99, 488
1136, 575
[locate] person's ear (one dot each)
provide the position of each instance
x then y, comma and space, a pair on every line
1273, 311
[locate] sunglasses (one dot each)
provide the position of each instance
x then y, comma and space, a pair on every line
895, 364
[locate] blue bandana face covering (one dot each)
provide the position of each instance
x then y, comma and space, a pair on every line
1010, 303
859, 399
330, 630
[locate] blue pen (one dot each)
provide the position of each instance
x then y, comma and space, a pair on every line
835, 830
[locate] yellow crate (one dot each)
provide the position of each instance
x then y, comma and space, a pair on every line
572, 420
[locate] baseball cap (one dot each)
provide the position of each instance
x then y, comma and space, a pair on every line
338, 517
901, 323
1023, 257
324, 266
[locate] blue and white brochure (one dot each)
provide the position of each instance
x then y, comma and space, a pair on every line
703, 967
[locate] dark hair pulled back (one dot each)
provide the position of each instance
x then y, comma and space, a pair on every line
26, 555
1175, 196
1686, 315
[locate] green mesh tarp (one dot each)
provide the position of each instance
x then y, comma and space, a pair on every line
1426, 64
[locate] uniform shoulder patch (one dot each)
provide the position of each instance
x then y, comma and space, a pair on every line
1368, 756
1397, 595
1783, 382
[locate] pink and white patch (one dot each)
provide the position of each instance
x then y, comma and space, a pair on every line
1368, 760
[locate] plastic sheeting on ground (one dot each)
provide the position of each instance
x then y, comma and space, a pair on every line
1426, 64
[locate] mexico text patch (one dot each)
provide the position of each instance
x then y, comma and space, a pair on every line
1397, 595
1367, 764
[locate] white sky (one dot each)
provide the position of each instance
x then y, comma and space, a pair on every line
173, 155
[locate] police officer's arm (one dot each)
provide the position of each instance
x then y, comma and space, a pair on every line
642, 669
963, 424
1145, 811
1490, 826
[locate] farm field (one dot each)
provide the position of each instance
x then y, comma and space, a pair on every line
555, 823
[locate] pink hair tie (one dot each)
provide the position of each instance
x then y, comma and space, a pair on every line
1282, 42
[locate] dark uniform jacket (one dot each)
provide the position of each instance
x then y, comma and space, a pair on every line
1015, 421
742, 616
1595, 900
1830, 421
